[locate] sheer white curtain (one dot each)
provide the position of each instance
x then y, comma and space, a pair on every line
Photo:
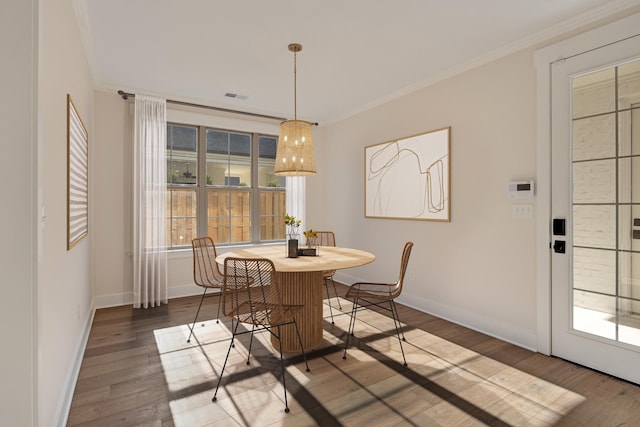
150, 286
295, 186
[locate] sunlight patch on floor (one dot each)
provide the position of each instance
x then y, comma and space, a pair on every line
444, 382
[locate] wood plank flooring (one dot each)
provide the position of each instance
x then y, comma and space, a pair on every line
138, 370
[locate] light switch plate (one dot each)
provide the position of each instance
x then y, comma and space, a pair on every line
522, 211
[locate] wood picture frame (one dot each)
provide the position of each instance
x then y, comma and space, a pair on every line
409, 178
77, 176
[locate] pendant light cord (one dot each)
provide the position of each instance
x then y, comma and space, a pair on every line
295, 85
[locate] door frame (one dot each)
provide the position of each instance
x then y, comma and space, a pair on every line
543, 59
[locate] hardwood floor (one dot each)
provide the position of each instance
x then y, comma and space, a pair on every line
138, 370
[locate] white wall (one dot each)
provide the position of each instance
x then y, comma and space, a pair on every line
479, 269
64, 286
18, 253
113, 267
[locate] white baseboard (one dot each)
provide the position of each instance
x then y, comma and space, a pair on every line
115, 300
187, 291
102, 301
505, 332
347, 279
64, 405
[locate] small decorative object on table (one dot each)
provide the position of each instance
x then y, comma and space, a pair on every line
292, 224
312, 246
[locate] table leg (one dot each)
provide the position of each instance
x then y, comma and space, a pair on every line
303, 288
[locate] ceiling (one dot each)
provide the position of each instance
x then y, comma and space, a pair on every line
356, 53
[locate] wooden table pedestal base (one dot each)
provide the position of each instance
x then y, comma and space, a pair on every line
303, 288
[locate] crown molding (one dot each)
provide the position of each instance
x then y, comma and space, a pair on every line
611, 10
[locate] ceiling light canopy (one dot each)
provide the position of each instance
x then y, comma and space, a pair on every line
295, 156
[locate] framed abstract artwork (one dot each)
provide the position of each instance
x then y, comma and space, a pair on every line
409, 178
77, 177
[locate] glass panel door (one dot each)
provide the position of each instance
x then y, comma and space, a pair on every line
606, 203
595, 190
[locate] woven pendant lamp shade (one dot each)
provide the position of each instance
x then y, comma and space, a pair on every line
295, 156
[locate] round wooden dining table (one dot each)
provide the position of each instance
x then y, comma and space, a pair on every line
300, 281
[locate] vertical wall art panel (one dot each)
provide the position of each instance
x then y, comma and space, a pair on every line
409, 178
77, 177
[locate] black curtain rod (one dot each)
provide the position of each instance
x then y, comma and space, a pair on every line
126, 95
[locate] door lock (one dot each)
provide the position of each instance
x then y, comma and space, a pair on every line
559, 246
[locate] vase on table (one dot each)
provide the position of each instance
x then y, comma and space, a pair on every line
312, 243
292, 246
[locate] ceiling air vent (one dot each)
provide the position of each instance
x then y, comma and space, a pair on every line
235, 95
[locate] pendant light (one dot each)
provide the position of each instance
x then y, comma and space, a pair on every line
294, 156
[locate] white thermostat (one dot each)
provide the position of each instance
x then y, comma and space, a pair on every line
520, 190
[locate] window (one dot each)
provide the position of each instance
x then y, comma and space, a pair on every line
218, 187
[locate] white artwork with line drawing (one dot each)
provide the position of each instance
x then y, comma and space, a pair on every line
409, 178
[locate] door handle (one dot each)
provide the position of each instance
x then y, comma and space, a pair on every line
559, 226
559, 246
